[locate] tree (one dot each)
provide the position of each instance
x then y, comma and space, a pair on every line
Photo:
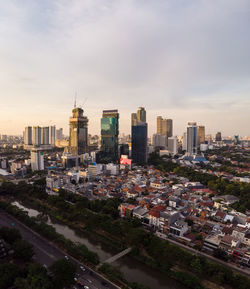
10, 235
23, 250
37, 278
8, 272
63, 273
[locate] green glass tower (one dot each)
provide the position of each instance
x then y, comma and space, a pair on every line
109, 135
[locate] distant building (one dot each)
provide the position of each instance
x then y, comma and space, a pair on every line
78, 132
164, 127
52, 135
201, 134
37, 161
139, 143
141, 114
184, 142
218, 136
109, 136
173, 145
36, 135
159, 141
192, 138
28, 135
45, 135
133, 119
59, 134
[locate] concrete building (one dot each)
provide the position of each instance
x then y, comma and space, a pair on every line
173, 145
159, 141
201, 134
192, 138
28, 135
36, 136
78, 132
45, 135
52, 135
164, 126
37, 160
59, 134
218, 136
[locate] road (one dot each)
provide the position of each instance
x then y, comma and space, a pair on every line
244, 272
46, 253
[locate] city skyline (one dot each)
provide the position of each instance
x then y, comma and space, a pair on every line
185, 62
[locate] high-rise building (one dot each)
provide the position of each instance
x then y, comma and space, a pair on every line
52, 135
184, 141
173, 145
78, 132
164, 126
139, 143
45, 135
201, 134
109, 135
141, 114
28, 135
159, 141
133, 119
59, 134
37, 161
218, 136
36, 136
192, 138
159, 124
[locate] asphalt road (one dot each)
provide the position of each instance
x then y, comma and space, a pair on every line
46, 253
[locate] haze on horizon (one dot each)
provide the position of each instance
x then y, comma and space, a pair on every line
185, 60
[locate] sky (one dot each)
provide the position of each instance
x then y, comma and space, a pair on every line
185, 60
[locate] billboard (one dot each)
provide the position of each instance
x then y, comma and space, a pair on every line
125, 161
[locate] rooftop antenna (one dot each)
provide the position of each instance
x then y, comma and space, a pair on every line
75, 100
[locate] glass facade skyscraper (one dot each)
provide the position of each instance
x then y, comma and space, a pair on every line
109, 135
139, 143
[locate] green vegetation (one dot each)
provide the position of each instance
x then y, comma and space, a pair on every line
63, 273
23, 250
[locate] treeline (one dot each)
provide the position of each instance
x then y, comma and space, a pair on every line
18, 270
79, 251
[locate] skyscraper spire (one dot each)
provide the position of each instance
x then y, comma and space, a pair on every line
75, 100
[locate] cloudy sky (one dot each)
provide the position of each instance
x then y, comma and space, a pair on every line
185, 60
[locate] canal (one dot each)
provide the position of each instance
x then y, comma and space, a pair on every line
133, 270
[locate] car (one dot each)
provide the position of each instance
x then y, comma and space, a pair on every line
89, 280
82, 268
45, 266
66, 257
86, 287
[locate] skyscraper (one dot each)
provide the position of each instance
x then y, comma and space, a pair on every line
139, 143
52, 135
109, 135
192, 138
164, 126
133, 119
139, 133
159, 124
45, 135
173, 145
59, 134
141, 114
78, 132
36, 136
201, 134
28, 135
218, 136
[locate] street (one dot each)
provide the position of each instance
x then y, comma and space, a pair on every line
46, 253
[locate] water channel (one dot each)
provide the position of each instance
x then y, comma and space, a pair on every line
133, 270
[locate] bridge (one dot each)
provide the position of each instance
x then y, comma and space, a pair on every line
117, 256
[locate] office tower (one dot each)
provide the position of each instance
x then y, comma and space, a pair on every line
45, 135
159, 124
159, 141
164, 126
109, 135
52, 135
36, 136
192, 138
173, 145
59, 134
37, 161
133, 119
201, 134
139, 143
141, 114
28, 135
78, 132
218, 136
